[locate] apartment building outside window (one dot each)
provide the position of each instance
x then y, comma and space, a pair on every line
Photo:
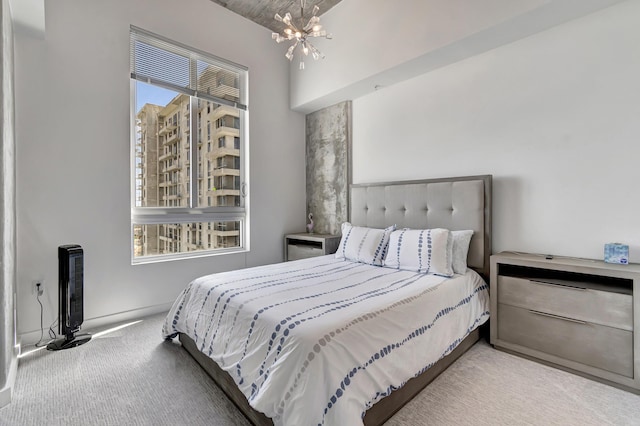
176, 210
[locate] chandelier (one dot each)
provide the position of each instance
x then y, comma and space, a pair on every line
301, 33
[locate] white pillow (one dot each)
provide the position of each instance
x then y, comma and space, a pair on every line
426, 251
461, 240
365, 245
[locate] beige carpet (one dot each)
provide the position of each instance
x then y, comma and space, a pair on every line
489, 387
132, 377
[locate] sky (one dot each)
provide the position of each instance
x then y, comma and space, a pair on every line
148, 94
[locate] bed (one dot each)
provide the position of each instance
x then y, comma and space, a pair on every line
343, 339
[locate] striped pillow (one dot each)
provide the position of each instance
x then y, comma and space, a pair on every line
364, 245
427, 251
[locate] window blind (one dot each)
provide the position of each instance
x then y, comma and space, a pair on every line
156, 60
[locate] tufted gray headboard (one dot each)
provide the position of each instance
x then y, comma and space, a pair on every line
456, 203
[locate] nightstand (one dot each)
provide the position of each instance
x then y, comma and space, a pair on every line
580, 315
302, 246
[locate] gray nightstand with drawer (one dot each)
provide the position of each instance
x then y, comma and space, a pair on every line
580, 315
302, 246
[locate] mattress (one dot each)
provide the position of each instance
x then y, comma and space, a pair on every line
320, 340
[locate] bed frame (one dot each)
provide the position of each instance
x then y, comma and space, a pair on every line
453, 203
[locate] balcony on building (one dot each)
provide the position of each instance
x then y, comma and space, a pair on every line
224, 192
224, 152
173, 138
172, 197
174, 166
166, 129
165, 183
225, 234
167, 155
225, 91
225, 171
227, 129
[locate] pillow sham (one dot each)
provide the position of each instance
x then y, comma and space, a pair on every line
427, 251
460, 251
364, 245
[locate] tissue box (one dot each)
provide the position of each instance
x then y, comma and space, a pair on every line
616, 253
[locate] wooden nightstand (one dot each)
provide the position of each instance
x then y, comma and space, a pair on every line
302, 246
580, 315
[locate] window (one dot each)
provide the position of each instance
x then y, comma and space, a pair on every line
177, 94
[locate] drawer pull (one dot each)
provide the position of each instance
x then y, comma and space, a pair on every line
308, 248
570, 287
544, 314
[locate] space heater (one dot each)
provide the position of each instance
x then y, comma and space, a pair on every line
70, 299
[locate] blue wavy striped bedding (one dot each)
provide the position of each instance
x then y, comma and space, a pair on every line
318, 341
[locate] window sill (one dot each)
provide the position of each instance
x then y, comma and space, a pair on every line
185, 256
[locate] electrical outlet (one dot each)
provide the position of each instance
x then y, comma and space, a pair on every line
38, 287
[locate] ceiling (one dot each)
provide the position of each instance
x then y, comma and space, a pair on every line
29, 14
262, 11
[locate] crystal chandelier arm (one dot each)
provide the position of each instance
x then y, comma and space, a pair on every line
312, 21
315, 52
321, 33
289, 54
278, 38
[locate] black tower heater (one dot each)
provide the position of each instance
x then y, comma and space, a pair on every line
70, 289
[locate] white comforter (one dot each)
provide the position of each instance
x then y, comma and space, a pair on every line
319, 341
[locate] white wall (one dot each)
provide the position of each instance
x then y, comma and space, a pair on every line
380, 42
8, 354
73, 118
553, 117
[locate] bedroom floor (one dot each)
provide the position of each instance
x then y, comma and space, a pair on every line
131, 377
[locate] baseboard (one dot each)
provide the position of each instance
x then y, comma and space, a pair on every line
7, 391
32, 337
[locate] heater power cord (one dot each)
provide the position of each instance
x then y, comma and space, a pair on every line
39, 343
52, 334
